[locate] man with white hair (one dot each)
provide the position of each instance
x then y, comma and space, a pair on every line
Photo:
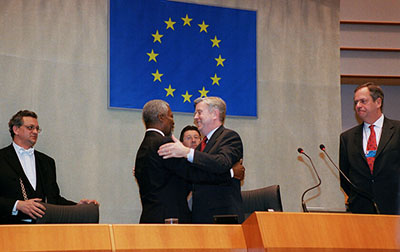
218, 151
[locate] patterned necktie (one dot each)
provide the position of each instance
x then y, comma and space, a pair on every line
203, 144
371, 149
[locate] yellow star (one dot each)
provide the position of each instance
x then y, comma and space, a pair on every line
170, 24
186, 97
215, 42
203, 27
170, 91
157, 37
157, 76
203, 92
220, 61
152, 56
186, 20
215, 79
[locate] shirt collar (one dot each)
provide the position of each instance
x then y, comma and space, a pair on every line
156, 130
22, 150
209, 135
378, 123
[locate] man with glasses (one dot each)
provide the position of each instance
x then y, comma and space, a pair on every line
27, 176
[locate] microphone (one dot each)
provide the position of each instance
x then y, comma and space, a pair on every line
358, 190
303, 203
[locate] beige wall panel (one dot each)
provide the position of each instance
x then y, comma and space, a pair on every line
372, 10
53, 60
370, 36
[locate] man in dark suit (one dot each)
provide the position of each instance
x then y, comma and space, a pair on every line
164, 184
370, 156
219, 150
27, 176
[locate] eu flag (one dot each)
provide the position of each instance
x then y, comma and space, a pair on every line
179, 51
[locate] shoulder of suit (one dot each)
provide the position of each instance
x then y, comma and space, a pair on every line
393, 122
42, 155
229, 131
353, 130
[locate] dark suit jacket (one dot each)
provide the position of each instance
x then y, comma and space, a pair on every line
10, 189
383, 184
224, 149
163, 183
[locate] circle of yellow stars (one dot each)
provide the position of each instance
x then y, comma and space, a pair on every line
153, 57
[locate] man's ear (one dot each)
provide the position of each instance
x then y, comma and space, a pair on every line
379, 102
216, 114
161, 117
15, 129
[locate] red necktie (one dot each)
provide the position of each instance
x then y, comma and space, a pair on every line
371, 148
203, 144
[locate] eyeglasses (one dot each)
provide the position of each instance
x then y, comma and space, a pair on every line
31, 128
189, 138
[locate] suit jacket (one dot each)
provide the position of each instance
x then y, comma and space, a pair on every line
223, 149
10, 188
383, 184
165, 183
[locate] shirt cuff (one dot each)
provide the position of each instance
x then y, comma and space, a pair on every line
190, 155
15, 211
232, 174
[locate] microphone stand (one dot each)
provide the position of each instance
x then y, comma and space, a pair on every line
358, 190
303, 203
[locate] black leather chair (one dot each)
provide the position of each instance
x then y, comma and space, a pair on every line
262, 199
82, 213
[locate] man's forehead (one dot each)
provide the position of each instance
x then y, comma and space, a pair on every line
191, 132
29, 119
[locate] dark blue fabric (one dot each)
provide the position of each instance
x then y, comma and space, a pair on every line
186, 57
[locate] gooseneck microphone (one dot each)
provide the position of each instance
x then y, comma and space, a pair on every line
303, 203
358, 190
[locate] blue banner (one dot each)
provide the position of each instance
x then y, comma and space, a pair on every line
178, 52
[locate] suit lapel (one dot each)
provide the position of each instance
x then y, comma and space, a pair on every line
358, 141
386, 135
13, 161
213, 139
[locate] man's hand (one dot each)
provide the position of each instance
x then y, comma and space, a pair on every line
87, 201
238, 170
31, 207
175, 149
133, 171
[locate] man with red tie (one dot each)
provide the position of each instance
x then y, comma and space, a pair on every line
219, 150
370, 156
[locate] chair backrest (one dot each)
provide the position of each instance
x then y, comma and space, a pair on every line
262, 199
82, 213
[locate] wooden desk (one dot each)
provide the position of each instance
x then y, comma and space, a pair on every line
65, 237
180, 237
263, 231
300, 232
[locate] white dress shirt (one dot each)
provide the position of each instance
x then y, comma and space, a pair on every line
378, 124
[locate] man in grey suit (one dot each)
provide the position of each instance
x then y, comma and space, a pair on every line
219, 150
370, 156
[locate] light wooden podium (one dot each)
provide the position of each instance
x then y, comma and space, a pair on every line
263, 231
301, 232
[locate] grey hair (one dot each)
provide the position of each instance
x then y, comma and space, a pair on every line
152, 109
214, 102
17, 120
